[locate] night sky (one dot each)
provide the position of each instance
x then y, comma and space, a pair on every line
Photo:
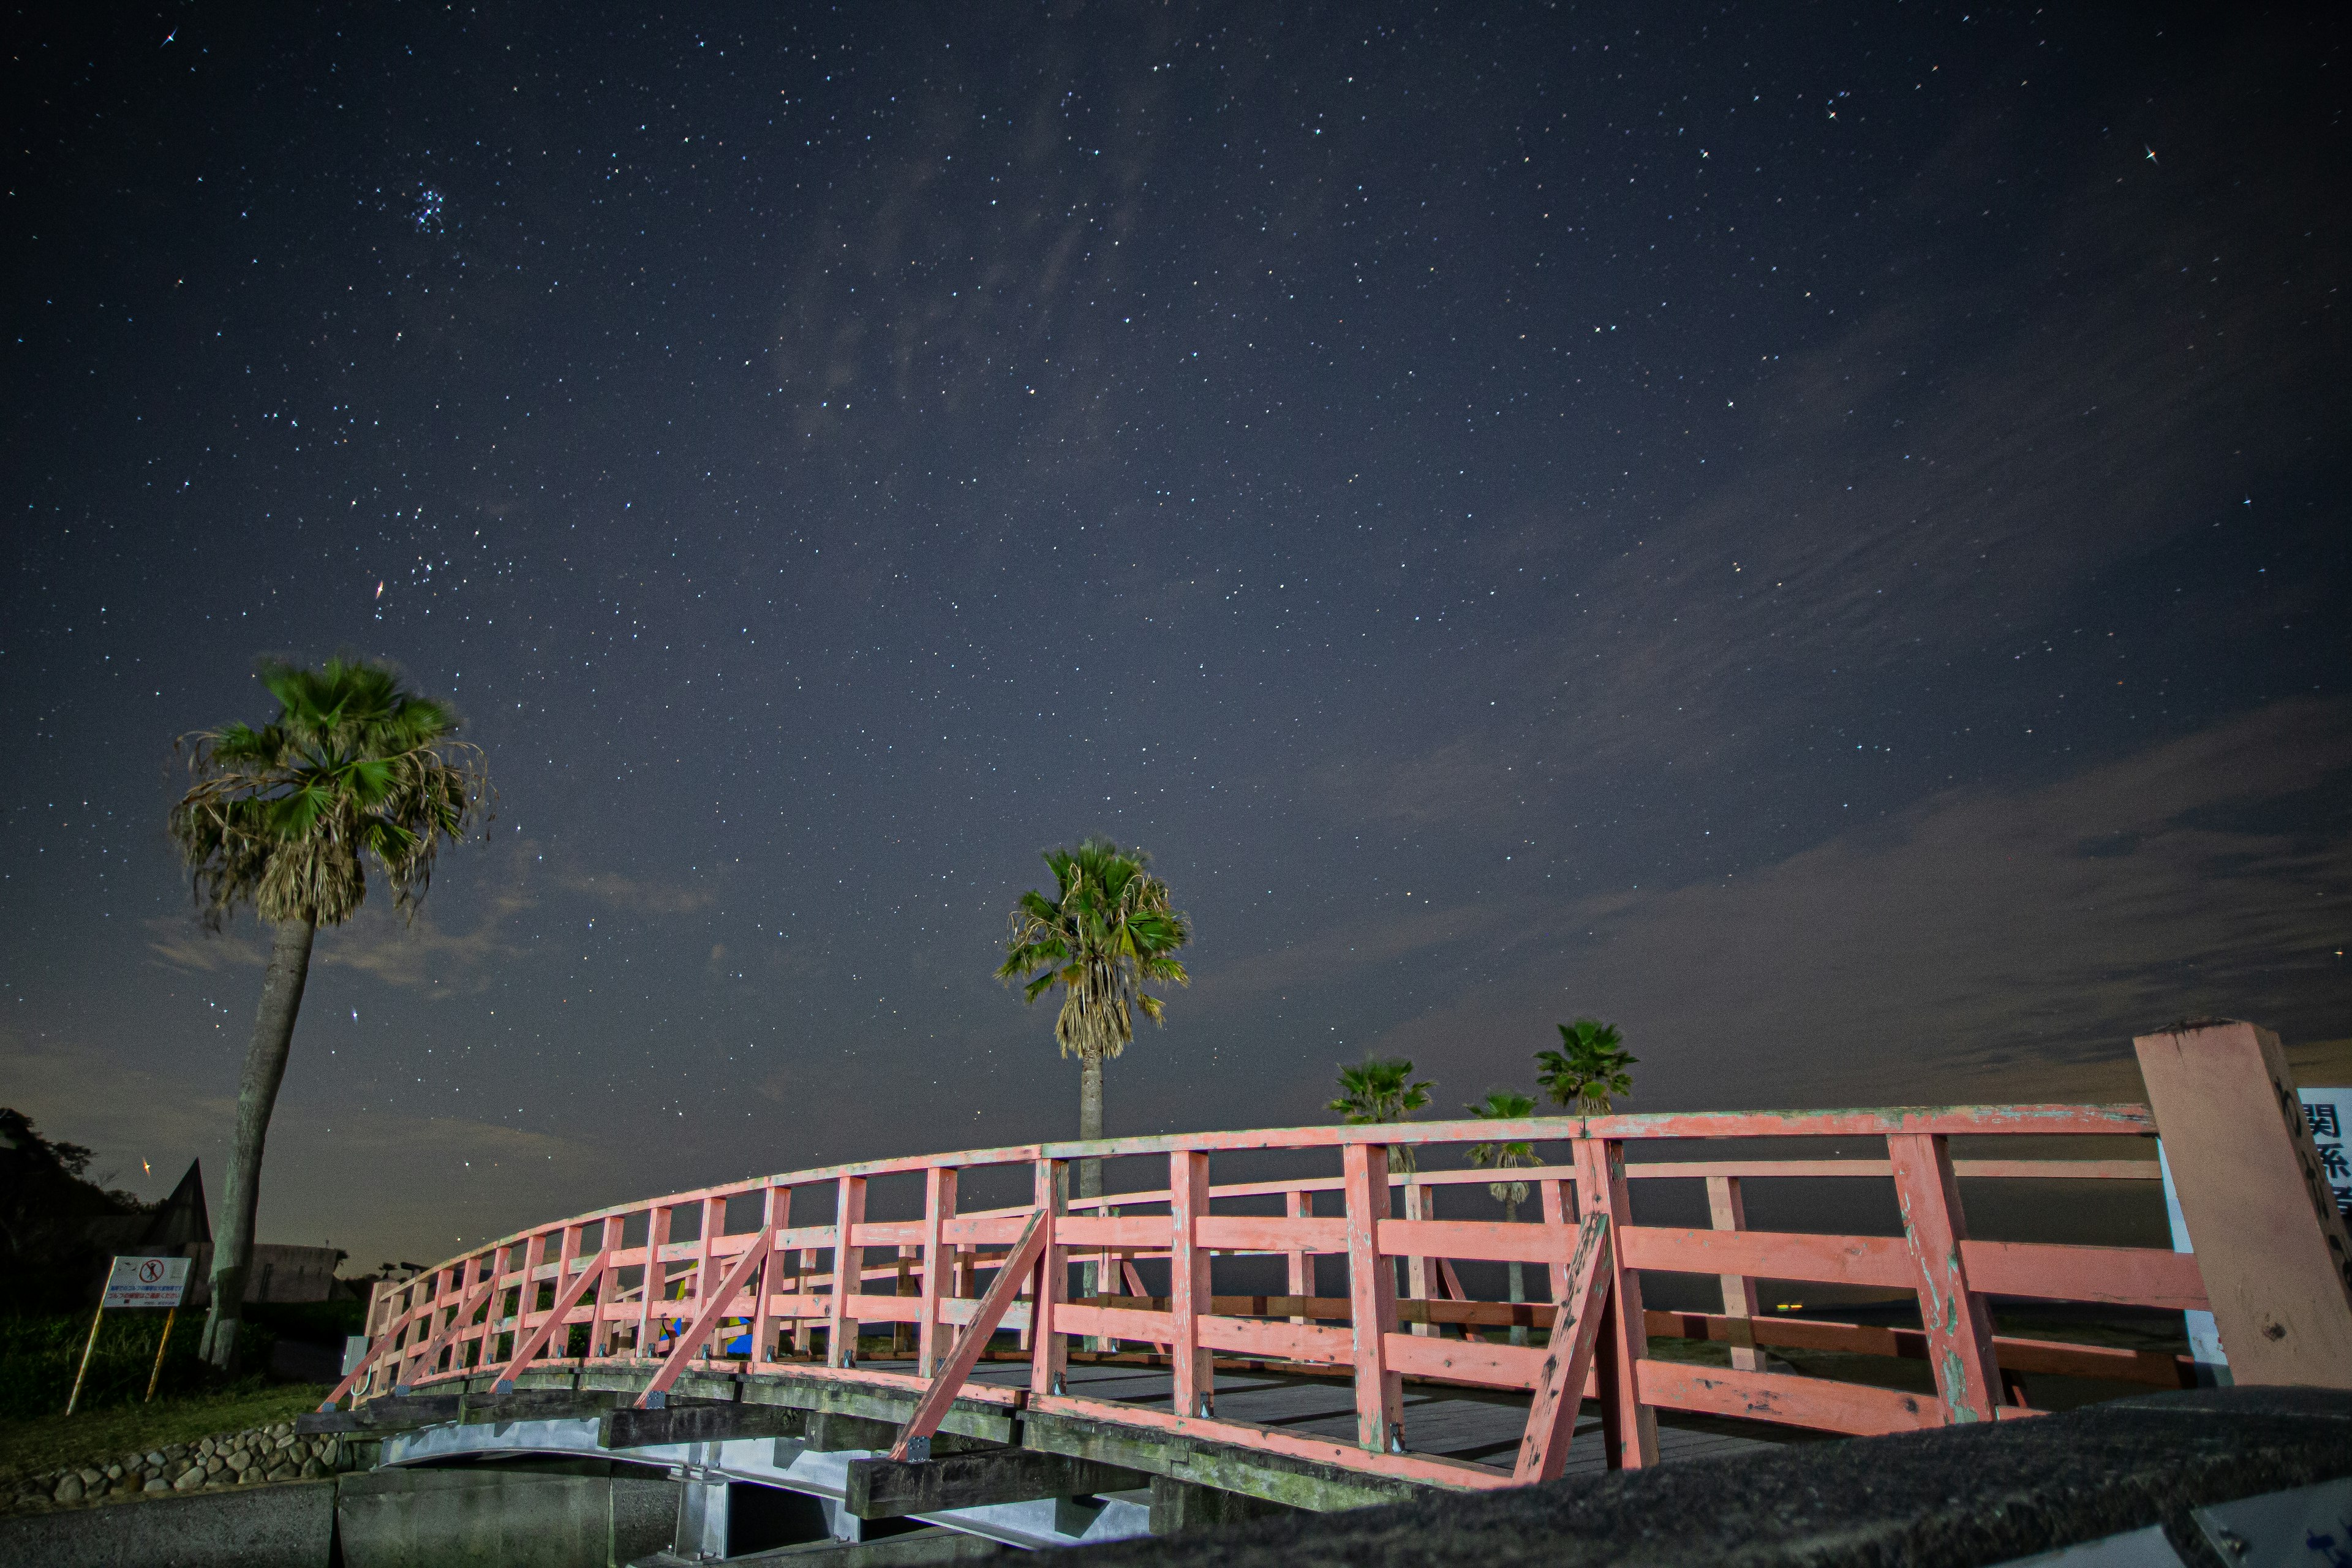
1817, 534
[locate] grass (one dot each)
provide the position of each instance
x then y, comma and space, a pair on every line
38, 1443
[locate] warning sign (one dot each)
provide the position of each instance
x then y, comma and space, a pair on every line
146, 1282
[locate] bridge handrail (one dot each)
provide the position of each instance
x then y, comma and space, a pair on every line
784, 1299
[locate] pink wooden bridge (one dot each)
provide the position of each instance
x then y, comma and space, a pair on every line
781, 1274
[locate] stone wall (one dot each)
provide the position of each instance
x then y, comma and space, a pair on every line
246, 1459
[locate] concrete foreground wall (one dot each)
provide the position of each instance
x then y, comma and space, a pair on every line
388, 1519
291, 1525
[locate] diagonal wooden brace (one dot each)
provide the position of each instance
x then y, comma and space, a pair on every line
657, 1394
564, 1302
957, 1367
374, 1354
467, 1305
1551, 1416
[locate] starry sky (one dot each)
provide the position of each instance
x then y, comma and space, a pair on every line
1816, 535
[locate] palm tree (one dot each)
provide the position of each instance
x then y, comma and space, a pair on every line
1506, 1105
280, 817
1376, 1091
1590, 1070
1108, 930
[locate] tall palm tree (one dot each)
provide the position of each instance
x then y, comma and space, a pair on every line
1506, 1105
1108, 930
1376, 1091
1589, 1069
279, 818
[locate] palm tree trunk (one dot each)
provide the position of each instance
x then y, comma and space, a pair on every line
1518, 1274
1090, 1077
257, 1096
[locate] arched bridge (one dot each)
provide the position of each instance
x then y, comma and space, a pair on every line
912, 1338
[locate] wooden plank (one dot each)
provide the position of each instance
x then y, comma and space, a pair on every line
656, 1237
1188, 1292
1115, 1323
1879, 1261
1629, 1427
1292, 1340
1472, 1361
958, 1364
1491, 1241
2121, 1276
1568, 1360
1958, 1325
1371, 1296
893, 1488
1297, 1206
1271, 1233
2275, 1261
1138, 1232
938, 1208
841, 1329
2158, 1369
1727, 1209
1049, 1287
775, 1212
1818, 1403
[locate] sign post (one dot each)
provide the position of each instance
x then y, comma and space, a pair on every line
136, 1282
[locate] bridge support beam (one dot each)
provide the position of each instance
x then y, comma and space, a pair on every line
890, 1489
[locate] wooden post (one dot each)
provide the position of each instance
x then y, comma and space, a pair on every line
848, 1260
1049, 1353
657, 1280
608, 1297
1629, 1427
161, 1345
778, 1215
83, 1371
1188, 1283
706, 1263
938, 1267
1567, 1360
2269, 1240
1729, 1210
1371, 1301
1420, 1202
1960, 1328
1298, 1205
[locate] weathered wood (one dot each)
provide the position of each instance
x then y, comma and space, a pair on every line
776, 1214
1629, 1427
1727, 1209
1958, 1324
957, 1365
565, 1301
938, 1208
1371, 1300
2270, 1242
1049, 1287
1568, 1360
1814, 1402
1188, 1290
1297, 1473
697, 1422
1876, 1260
688, 1345
841, 1328
893, 1488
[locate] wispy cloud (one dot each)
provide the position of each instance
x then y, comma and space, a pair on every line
1979, 930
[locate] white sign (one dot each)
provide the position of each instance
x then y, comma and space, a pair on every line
2328, 1113
146, 1282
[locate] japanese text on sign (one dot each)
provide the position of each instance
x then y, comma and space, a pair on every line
146, 1282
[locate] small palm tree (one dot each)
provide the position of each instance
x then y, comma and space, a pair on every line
1108, 930
1376, 1091
1589, 1069
280, 817
1506, 1105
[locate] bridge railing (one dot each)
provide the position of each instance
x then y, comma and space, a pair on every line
790, 1286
